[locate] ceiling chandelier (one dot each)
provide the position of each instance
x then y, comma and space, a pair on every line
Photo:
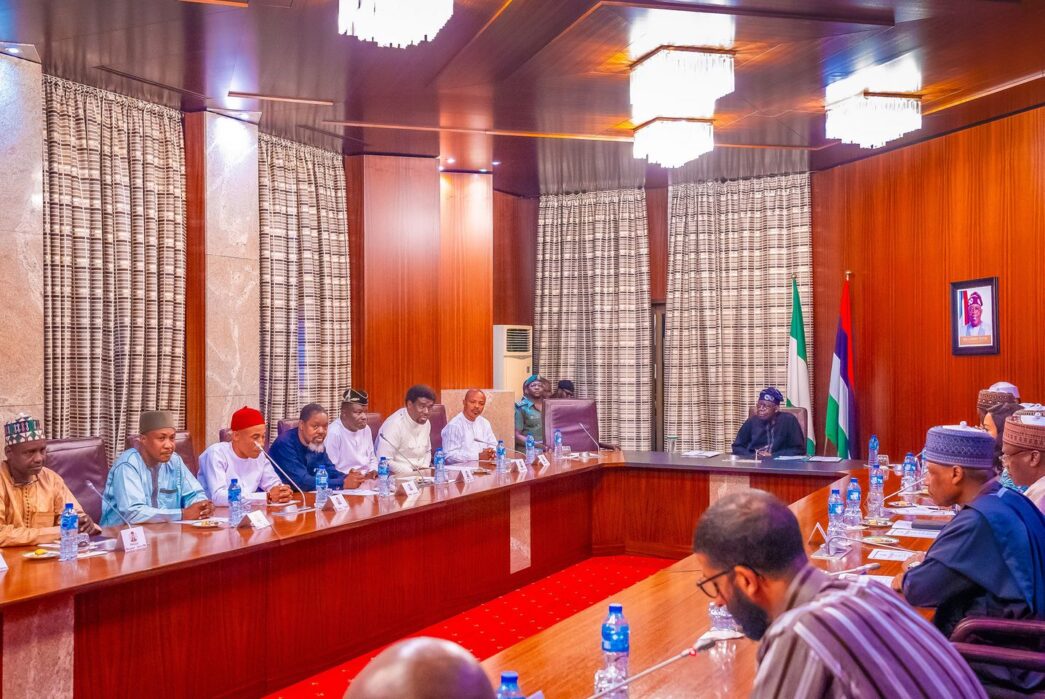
398, 23
871, 119
673, 142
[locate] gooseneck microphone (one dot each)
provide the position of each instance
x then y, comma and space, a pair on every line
401, 455
593, 440
101, 496
506, 447
304, 501
700, 646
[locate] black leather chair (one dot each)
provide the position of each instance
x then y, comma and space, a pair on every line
374, 420
284, 425
78, 461
437, 420
567, 415
182, 446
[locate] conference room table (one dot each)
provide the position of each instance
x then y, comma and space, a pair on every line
667, 613
242, 612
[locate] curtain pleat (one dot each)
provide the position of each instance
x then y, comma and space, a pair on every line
114, 262
306, 342
592, 306
734, 247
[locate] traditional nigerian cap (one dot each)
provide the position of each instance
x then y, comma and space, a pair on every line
1026, 430
356, 396
530, 380
988, 399
771, 394
959, 445
566, 385
23, 429
155, 420
246, 417
975, 297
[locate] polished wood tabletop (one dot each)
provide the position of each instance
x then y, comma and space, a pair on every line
667, 613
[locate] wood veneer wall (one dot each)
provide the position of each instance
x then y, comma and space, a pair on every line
907, 223
514, 258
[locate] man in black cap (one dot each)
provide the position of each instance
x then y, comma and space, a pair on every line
770, 432
565, 389
349, 442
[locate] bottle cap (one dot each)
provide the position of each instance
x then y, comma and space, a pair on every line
509, 676
836, 491
235, 481
616, 608
68, 506
852, 480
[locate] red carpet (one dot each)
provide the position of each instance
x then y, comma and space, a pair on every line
492, 627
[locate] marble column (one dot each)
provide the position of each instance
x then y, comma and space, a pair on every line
233, 270
21, 237
38, 648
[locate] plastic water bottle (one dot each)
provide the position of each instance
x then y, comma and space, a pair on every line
235, 503
502, 457
835, 525
509, 688
70, 526
615, 647
872, 450
384, 478
531, 449
558, 444
853, 496
439, 466
322, 486
910, 474
876, 495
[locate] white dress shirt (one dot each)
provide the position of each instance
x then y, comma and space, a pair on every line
219, 464
350, 450
413, 443
459, 437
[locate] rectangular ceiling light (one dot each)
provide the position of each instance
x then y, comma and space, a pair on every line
277, 98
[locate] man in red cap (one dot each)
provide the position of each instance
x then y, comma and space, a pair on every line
241, 459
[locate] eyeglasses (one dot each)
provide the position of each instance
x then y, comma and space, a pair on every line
714, 586
1006, 458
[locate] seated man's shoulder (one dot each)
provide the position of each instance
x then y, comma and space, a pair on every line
128, 457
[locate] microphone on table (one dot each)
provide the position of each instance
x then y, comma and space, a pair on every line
101, 496
304, 501
859, 570
593, 440
918, 483
506, 447
401, 455
700, 646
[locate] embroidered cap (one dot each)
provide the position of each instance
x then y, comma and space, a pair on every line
1026, 430
959, 445
355, 396
23, 429
772, 395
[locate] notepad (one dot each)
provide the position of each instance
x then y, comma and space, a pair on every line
697, 454
825, 459
913, 533
890, 555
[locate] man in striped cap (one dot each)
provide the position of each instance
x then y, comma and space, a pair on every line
821, 636
32, 496
1022, 450
990, 559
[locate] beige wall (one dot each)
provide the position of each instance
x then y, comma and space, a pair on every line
21, 239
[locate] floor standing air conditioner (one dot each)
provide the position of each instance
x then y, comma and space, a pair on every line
512, 357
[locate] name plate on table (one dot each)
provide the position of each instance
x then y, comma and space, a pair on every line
409, 488
543, 460
254, 520
133, 539
3, 564
467, 475
517, 465
336, 502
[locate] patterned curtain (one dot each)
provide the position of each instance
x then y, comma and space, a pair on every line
733, 249
593, 306
306, 342
114, 262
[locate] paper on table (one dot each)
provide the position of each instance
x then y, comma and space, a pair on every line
886, 580
256, 496
920, 511
697, 454
358, 491
913, 533
890, 555
790, 458
193, 521
825, 459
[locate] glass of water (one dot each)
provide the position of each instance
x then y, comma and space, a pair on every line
671, 445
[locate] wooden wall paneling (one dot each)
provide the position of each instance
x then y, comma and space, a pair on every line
466, 280
514, 258
195, 278
400, 210
560, 523
790, 488
357, 267
657, 222
607, 528
909, 222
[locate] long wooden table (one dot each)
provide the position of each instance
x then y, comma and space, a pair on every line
245, 612
667, 613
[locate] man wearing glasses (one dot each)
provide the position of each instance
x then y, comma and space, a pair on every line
818, 633
405, 438
1022, 449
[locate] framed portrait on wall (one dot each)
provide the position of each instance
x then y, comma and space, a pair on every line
974, 317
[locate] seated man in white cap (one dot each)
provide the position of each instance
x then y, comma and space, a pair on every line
1022, 449
990, 559
32, 496
151, 483
770, 432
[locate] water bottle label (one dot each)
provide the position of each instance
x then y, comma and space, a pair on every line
835, 509
853, 496
615, 642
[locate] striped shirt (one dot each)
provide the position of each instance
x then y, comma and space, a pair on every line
856, 639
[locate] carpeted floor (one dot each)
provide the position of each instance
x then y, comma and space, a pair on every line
492, 627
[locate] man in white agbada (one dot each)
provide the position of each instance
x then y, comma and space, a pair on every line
349, 442
241, 459
405, 438
469, 436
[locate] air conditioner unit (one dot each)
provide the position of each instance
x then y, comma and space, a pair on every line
512, 357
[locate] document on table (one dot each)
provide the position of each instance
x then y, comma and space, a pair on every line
905, 529
358, 491
890, 555
791, 458
919, 510
886, 580
698, 454
825, 459
223, 520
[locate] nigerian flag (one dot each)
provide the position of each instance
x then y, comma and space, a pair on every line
841, 429
798, 368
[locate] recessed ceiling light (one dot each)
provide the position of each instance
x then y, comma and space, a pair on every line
450, 161
441, 168
484, 170
496, 162
13, 50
